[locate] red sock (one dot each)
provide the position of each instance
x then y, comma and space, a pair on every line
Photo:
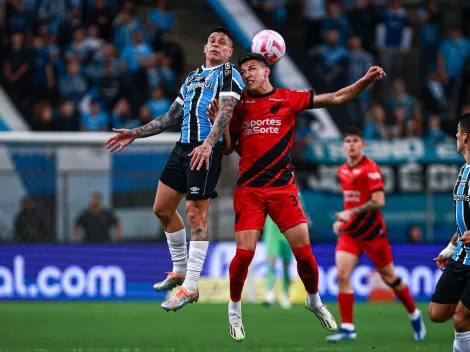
346, 305
406, 298
238, 271
307, 268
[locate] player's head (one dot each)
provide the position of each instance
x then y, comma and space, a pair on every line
219, 46
254, 70
463, 132
353, 143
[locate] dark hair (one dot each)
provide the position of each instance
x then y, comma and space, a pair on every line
353, 131
252, 56
464, 122
224, 31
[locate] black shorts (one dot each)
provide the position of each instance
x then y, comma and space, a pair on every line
197, 185
453, 285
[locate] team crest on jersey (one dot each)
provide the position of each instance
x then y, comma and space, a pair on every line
227, 69
275, 108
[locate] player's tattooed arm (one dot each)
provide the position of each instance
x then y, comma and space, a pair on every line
376, 201
349, 93
225, 109
230, 139
161, 123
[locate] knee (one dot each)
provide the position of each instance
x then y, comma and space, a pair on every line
462, 320
196, 217
161, 212
240, 263
343, 276
393, 281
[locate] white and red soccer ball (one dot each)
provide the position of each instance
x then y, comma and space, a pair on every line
270, 44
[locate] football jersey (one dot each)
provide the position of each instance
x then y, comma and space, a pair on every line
265, 125
358, 183
199, 88
462, 213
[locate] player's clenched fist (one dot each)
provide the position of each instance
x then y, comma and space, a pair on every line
121, 139
465, 238
374, 74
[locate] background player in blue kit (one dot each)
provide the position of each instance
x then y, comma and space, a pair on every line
194, 166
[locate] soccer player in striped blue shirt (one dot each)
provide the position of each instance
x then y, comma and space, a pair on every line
452, 294
194, 166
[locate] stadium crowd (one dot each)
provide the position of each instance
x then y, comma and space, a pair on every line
344, 38
89, 65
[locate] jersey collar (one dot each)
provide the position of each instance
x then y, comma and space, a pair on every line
358, 163
204, 68
262, 95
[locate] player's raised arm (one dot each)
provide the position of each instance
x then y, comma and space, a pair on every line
349, 93
230, 139
124, 137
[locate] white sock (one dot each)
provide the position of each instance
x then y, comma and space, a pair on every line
177, 245
462, 342
197, 255
348, 326
415, 315
235, 306
314, 300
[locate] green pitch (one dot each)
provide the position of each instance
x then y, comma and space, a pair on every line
139, 327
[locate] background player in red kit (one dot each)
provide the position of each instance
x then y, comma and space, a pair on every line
262, 131
361, 229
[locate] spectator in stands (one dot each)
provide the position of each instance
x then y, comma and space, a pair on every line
435, 135
170, 47
375, 123
414, 234
95, 120
77, 49
454, 51
109, 88
73, 86
97, 223
160, 19
16, 68
29, 225
127, 24
43, 80
315, 13
362, 19
44, 117
337, 21
434, 95
158, 103
102, 15
135, 54
334, 60
19, 20
123, 117
69, 26
168, 76
67, 117
393, 40
401, 127
276, 9
93, 43
52, 13
401, 98
145, 115
359, 62
429, 37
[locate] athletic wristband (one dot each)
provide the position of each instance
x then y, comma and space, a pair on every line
448, 251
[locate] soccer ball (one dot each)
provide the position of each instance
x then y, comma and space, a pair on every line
270, 44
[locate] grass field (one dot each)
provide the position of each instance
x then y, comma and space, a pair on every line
139, 327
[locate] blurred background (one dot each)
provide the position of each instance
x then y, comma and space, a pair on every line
71, 70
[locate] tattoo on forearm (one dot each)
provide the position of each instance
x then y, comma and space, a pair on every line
199, 235
161, 123
367, 206
226, 106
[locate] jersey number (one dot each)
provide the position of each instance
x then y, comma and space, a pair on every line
294, 200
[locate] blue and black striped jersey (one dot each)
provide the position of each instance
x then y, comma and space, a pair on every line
462, 213
199, 88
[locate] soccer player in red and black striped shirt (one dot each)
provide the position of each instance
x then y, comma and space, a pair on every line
361, 229
262, 131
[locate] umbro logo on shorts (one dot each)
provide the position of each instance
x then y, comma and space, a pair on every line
194, 190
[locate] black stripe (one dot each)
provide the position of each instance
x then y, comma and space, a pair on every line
193, 119
270, 173
356, 222
374, 233
362, 229
263, 162
243, 330
312, 95
227, 76
462, 255
283, 180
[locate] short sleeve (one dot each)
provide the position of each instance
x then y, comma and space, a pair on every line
374, 179
181, 94
231, 83
302, 100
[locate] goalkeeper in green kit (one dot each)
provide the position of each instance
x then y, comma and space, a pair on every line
276, 247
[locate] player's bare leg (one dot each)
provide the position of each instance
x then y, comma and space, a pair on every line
164, 207
402, 291
441, 313
345, 264
246, 246
197, 218
298, 239
462, 328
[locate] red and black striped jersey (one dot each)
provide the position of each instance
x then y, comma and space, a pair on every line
358, 183
265, 125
